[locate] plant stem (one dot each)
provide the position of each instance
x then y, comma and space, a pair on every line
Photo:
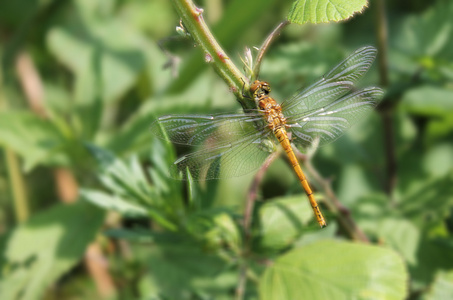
265, 46
386, 113
194, 23
252, 194
17, 186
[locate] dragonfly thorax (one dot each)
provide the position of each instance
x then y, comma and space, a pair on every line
260, 89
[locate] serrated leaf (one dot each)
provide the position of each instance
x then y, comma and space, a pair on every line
40, 251
35, 139
115, 203
128, 182
335, 270
323, 11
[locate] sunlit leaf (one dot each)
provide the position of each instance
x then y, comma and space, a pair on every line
335, 270
438, 161
401, 235
323, 11
45, 247
442, 288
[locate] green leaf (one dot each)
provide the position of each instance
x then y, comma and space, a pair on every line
433, 256
442, 288
216, 229
180, 269
428, 101
115, 203
438, 161
402, 236
428, 36
103, 55
282, 221
83, 43
35, 139
323, 11
45, 247
418, 203
128, 182
335, 270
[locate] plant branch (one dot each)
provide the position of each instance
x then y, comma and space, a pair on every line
386, 113
252, 195
192, 18
265, 46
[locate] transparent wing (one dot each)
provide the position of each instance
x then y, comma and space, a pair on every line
327, 123
195, 129
233, 144
227, 160
334, 84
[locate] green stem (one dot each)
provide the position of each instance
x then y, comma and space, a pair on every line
17, 186
192, 18
386, 114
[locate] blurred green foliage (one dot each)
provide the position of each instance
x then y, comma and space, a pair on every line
109, 68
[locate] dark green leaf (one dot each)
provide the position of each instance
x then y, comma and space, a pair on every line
432, 256
184, 268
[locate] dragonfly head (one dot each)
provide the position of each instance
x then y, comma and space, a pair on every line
260, 88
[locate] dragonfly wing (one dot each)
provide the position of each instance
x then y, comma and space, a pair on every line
195, 129
332, 85
327, 123
233, 144
227, 160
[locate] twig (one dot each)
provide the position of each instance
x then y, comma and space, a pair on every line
343, 214
386, 114
265, 46
240, 289
252, 195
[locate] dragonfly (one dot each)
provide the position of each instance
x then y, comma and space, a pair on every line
234, 144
